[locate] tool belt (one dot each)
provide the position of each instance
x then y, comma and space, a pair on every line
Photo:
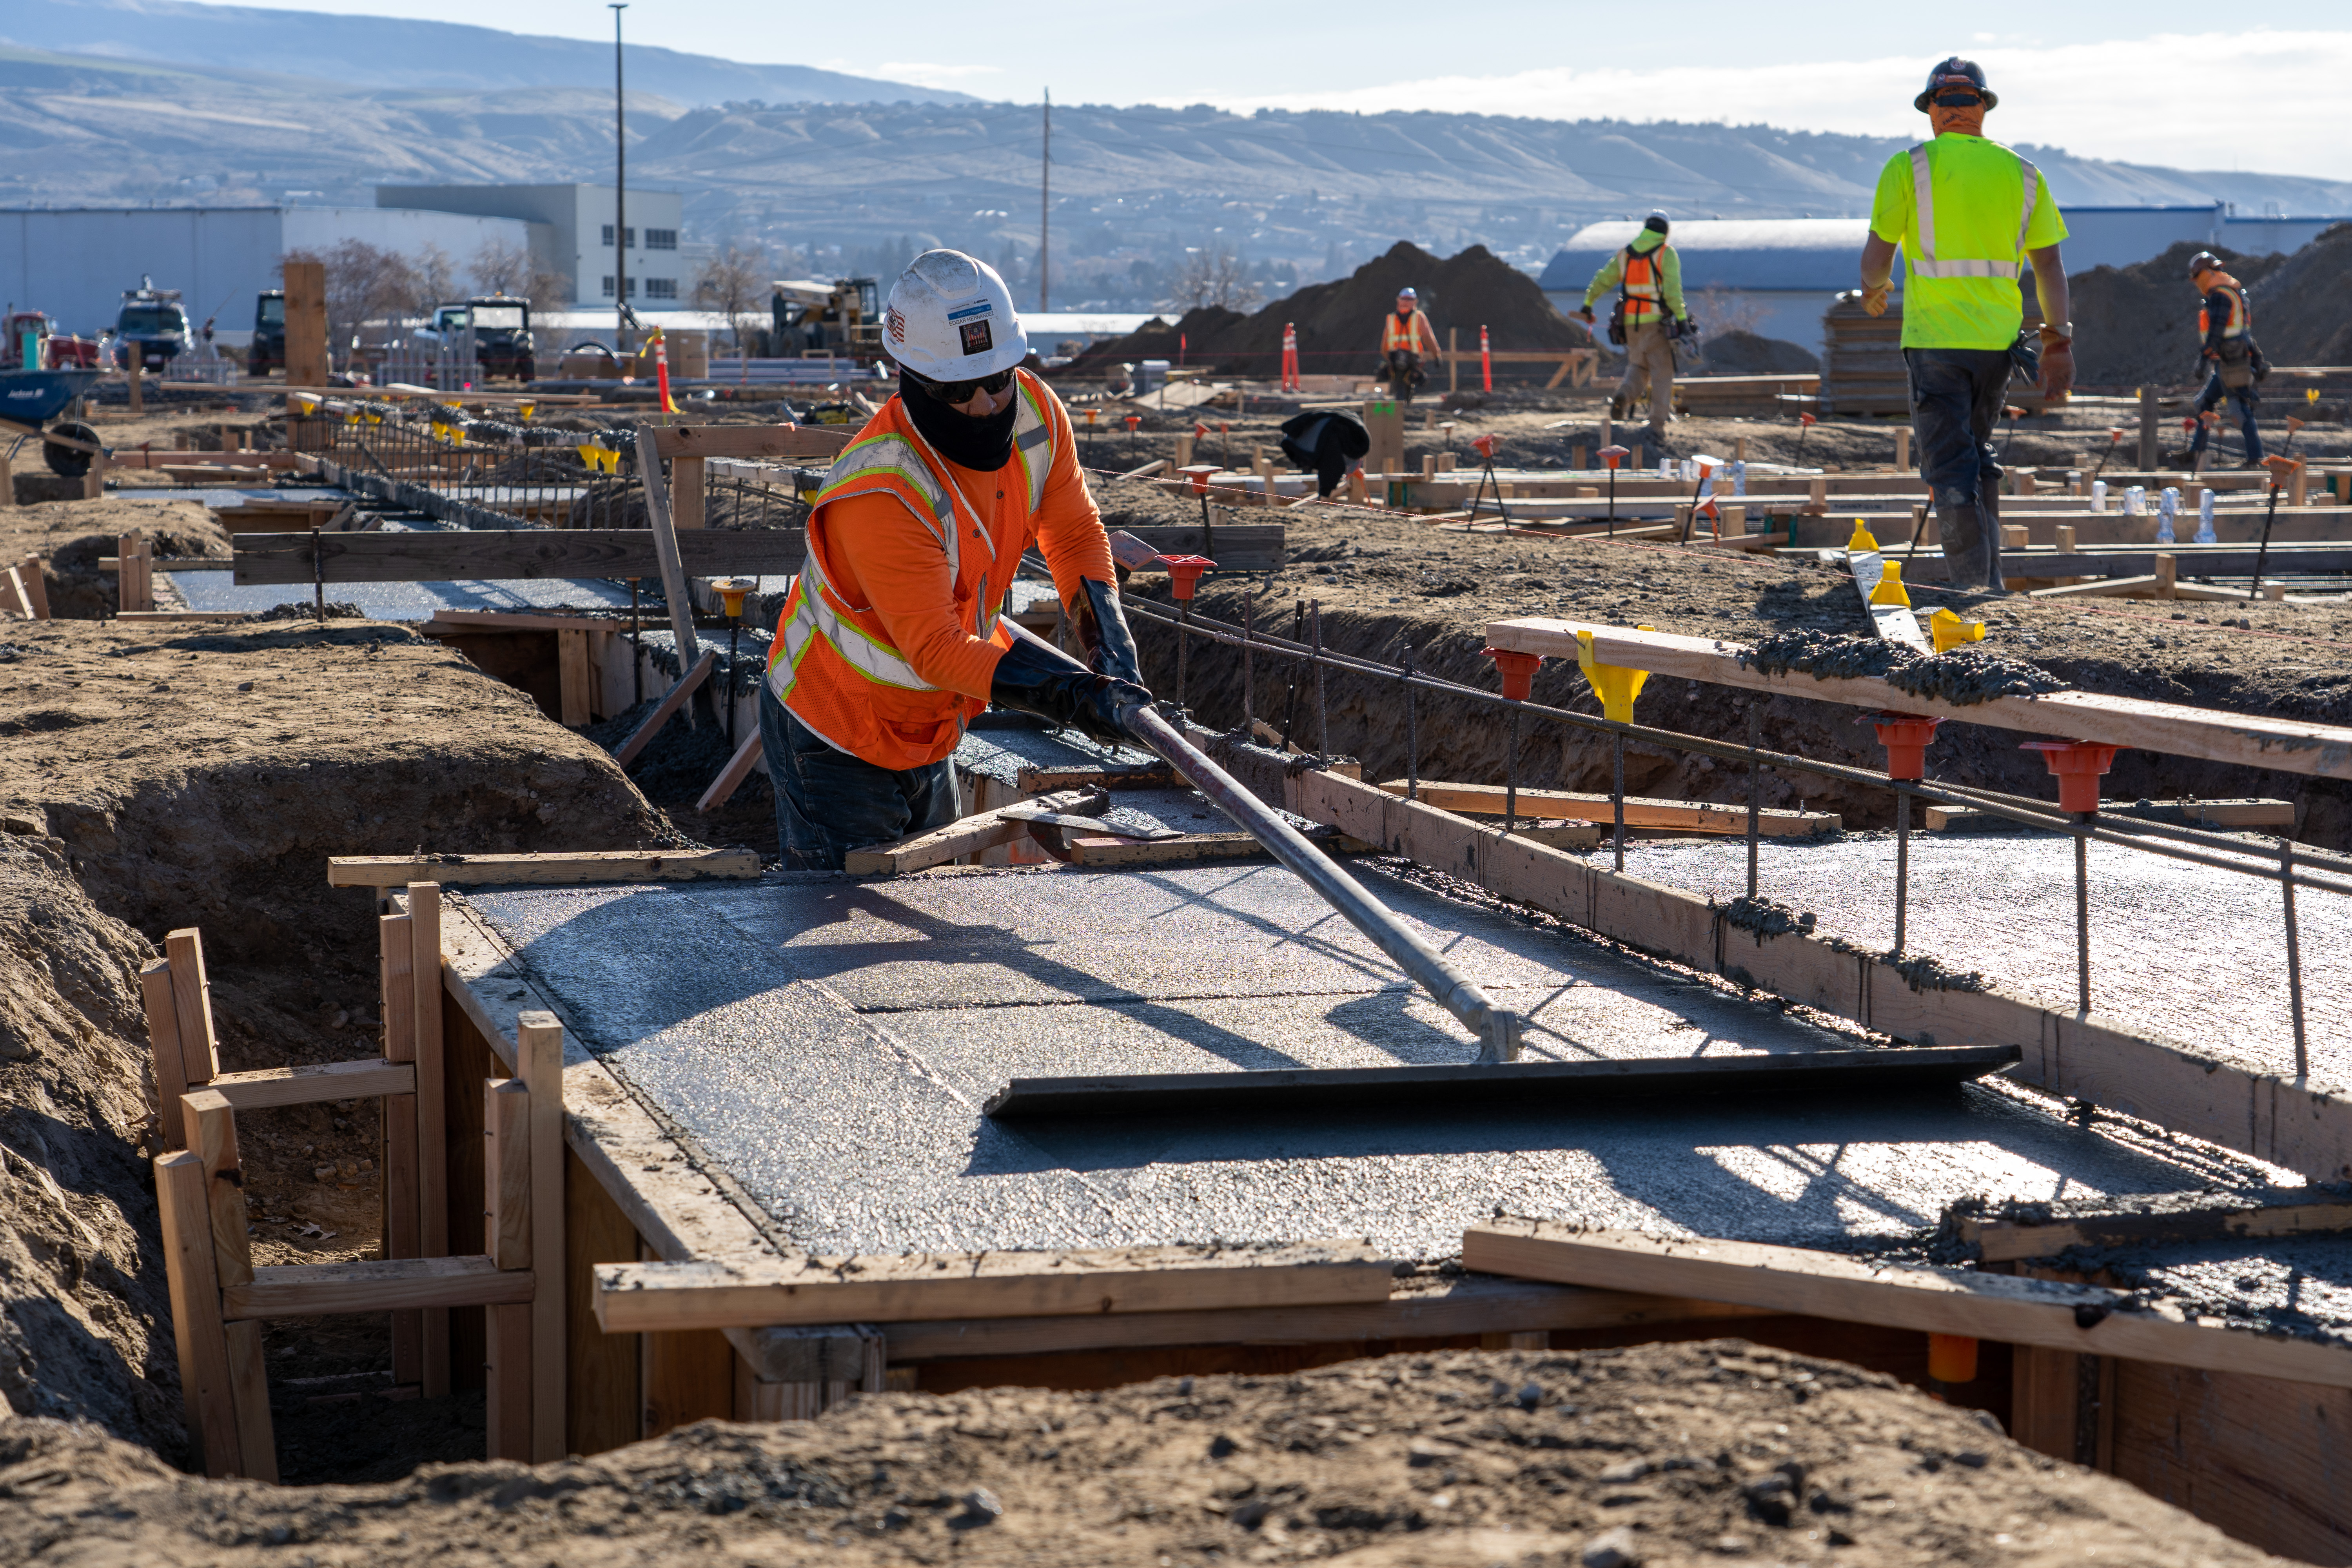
2238, 362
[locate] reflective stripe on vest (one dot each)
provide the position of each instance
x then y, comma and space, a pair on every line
889, 464
1926, 264
2235, 327
1400, 333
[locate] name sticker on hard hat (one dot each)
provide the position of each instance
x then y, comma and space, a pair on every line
977, 338
981, 308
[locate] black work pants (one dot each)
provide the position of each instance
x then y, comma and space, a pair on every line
2245, 397
1956, 400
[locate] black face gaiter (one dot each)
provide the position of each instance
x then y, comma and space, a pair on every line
982, 445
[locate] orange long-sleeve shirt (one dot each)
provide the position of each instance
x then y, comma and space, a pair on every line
879, 555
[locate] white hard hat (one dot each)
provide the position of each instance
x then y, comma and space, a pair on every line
1408, 292
950, 317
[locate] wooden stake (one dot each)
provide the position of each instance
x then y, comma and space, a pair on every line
506, 1175
398, 1153
673, 573
539, 1056
432, 1147
730, 777
686, 492
197, 1331
572, 677
33, 568
2167, 573
163, 1042
1903, 446
212, 1131
192, 1002
7, 483
138, 374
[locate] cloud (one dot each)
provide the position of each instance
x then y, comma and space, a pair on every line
2268, 101
923, 74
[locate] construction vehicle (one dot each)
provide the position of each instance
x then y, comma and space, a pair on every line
33, 342
500, 326
153, 326
268, 351
819, 320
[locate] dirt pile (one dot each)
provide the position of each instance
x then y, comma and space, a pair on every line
71, 535
2137, 326
2303, 306
1339, 322
1745, 354
152, 778
1717, 1450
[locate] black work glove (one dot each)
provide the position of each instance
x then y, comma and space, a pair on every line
1035, 677
1103, 632
1587, 313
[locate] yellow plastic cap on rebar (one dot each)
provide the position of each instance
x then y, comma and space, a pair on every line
731, 590
1862, 540
1616, 686
1890, 587
1952, 1358
1949, 631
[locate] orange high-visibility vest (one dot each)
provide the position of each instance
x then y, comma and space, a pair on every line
1401, 333
2230, 289
832, 663
1644, 286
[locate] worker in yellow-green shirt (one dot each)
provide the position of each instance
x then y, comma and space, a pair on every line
1969, 216
1650, 315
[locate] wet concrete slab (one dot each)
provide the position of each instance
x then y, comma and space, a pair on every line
829, 1044
2180, 951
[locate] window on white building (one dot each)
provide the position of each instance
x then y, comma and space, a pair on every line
633, 288
661, 288
629, 237
661, 240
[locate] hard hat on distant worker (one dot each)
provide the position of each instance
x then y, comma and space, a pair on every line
2204, 261
1409, 292
950, 317
1658, 221
1955, 73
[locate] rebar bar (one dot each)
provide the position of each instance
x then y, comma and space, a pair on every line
1411, 734
2083, 921
1754, 789
2293, 958
1511, 779
1322, 712
1617, 801
1901, 863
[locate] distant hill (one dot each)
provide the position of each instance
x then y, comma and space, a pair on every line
847, 187
393, 52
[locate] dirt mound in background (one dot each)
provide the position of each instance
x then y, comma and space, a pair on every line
1665, 1454
204, 779
2303, 306
72, 535
1339, 322
2137, 326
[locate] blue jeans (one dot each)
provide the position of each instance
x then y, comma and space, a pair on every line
829, 802
1956, 400
2244, 398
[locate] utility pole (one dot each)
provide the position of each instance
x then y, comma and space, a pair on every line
1045, 209
620, 189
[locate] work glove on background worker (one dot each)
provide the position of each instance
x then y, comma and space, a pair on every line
1035, 677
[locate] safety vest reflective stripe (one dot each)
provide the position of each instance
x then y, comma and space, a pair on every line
1400, 333
811, 616
1642, 278
1032, 444
1926, 264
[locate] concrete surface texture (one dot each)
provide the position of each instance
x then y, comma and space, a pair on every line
2179, 950
827, 1045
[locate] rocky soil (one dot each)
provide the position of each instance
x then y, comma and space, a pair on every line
1711, 1452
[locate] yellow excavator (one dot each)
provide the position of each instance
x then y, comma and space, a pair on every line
816, 320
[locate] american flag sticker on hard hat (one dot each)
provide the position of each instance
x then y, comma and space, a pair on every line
897, 324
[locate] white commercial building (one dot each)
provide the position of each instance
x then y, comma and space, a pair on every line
76, 262
575, 235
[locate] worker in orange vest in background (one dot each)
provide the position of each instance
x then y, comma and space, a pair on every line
1650, 314
890, 639
2225, 330
1404, 332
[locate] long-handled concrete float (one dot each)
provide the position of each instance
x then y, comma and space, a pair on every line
1498, 1071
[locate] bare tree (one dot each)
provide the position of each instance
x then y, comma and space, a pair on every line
1720, 311
365, 283
500, 268
1215, 276
735, 283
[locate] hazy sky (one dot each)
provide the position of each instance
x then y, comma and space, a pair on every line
2161, 82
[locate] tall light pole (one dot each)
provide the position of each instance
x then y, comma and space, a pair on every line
1045, 209
620, 189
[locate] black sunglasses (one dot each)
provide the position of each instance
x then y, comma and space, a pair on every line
961, 392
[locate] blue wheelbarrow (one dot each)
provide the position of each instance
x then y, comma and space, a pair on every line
29, 399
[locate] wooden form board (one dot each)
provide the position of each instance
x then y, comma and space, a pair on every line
2008, 1240
2303, 1127
803, 441
2287, 745
751, 1292
2084, 1319
1679, 816
584, 866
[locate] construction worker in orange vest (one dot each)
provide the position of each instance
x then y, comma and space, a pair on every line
890, 639
2227, 347
1404, 333
1650, 315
